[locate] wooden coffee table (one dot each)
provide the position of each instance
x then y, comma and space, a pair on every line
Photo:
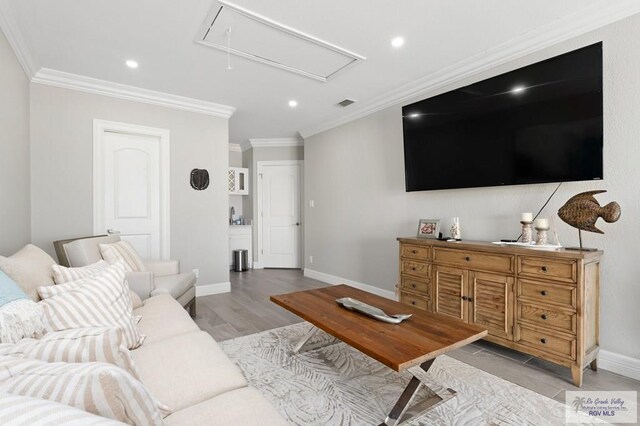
415, 342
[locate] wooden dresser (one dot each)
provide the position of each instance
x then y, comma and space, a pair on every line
543, 303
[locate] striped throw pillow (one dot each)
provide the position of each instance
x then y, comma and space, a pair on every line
91, 344
123, 251
95, 387
101, 300
16, 410
62, 274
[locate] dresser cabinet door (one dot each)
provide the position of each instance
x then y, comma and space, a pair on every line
450, 289
491, 301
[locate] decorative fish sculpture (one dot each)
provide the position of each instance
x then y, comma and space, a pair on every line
583, 210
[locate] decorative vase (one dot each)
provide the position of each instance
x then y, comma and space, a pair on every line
527, 232
455, 229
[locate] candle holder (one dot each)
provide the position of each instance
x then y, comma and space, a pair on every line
527, 232
541, 238
456, 234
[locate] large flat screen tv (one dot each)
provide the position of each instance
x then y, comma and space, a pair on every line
541, 123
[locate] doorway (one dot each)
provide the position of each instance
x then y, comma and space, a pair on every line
279, 215
131, 191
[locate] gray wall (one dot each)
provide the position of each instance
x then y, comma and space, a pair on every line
250, 160
355, 175
15, 195
61, 178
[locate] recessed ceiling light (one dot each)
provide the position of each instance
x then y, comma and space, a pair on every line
518, 89
132, 64
397, 42
293, 103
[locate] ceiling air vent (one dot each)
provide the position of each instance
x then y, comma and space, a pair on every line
346, 102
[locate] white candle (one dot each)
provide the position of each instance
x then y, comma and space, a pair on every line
526, 217
541, 223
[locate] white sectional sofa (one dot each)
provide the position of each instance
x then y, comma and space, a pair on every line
185, 369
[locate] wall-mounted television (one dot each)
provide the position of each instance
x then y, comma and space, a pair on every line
541, 123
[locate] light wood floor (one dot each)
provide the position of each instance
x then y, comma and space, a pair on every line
247, 310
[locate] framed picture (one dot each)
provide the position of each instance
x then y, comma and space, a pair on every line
429, 228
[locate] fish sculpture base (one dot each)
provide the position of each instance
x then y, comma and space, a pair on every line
581, 248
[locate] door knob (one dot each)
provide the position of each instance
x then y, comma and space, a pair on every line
297, 223
112, 231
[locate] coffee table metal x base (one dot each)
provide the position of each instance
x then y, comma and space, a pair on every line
402, 410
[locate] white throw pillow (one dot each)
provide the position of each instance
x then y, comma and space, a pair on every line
91, 344
99, 388
100, 300
19, 316
17, 410
30, 268
62, 274
122, 251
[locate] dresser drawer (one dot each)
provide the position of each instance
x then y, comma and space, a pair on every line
555, 269
419, 285
411, 251
416, 269
475, 260
546, 341
413, 300
543, 293
545, 317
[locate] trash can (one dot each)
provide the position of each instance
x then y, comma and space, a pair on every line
240, 260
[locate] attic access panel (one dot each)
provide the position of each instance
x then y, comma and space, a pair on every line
261, 39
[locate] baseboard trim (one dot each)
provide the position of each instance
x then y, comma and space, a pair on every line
619, 364
334, 280
209, 289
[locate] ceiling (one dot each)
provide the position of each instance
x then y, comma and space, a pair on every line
94, 38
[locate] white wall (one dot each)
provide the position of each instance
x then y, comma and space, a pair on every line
61, 173
355, 175
15, 196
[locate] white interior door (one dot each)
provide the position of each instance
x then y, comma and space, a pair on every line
130, 189
280, 214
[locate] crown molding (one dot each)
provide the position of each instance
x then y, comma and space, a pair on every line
235, 147
275, 142
107, 88
12, 32
588, 19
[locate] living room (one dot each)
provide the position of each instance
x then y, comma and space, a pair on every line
73, 75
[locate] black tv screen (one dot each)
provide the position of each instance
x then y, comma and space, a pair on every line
541, 123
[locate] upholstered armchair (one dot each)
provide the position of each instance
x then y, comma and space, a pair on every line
161, 276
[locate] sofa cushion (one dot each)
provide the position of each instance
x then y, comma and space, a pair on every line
175, 285
30, 268
99, 388
122, 251
187, 369
246, 407
100, 300
91, 344
163, 317
62, 274
16, 410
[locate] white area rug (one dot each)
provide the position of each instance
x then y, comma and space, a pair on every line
338, 385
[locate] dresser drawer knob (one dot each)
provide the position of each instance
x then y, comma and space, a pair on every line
413, 285
543, 341
413, 268
544, 292
414, 251
465, 298
543, 316
413, 302
544, 269
467, 258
